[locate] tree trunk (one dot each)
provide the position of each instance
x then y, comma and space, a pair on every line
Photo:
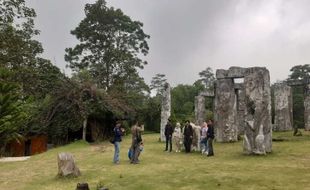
84, 129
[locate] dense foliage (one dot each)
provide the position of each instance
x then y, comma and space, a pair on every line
299, 72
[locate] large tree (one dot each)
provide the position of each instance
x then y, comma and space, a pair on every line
111, 44
299, 72
11, 113
207, 78
19, 50
158, 82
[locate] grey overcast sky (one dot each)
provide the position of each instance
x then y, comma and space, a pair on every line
189, 35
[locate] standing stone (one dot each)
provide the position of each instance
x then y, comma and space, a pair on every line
67, 166
307, 107
165, 110
200, 109
241, 110
283, 107
258, 129
226, 128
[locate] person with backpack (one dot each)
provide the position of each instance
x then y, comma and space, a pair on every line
118, 133
136, 131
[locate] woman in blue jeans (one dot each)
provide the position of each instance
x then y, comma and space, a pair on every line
118, 133
204, 140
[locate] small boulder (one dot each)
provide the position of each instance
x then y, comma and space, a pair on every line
67, 166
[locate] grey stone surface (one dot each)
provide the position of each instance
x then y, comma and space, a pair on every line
241, 110
283, 107
221, 74
232, 72
307, 107
67, 166
236, 72
165, 110
200, 110
207, 93
225, 113
258, 129
239, 86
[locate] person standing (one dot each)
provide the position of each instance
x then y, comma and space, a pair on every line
136, 131
210, 137
177, 137
168, 135
204, 141
188, 136
118, 133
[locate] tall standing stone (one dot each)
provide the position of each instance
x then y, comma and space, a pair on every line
200, 109
241, 110
225, 111
307, 107
283, 102
165, 110
258, 130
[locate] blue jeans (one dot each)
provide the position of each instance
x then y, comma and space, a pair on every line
117, 146
204, 144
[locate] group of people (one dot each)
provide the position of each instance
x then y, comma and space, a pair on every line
136, 143
176, 134
185, 136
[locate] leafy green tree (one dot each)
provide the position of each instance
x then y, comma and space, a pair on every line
183, 101
110, 44
299, 72
207, 78
19, 51
158, 82
11, 113
151, 113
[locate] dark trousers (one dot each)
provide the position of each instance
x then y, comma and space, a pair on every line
169, 140
135, 153
210, 146
187, 144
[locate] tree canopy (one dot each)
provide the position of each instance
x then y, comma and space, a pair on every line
110, 47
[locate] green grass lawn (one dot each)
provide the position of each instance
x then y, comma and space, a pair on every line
288, 167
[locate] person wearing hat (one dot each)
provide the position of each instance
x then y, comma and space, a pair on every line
188, 136
168, 135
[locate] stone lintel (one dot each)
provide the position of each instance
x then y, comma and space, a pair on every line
207, 93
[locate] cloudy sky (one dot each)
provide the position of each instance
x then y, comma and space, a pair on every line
189, 35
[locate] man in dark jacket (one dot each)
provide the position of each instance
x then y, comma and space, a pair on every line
118, 132
168, 134
210, 137
188, 136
